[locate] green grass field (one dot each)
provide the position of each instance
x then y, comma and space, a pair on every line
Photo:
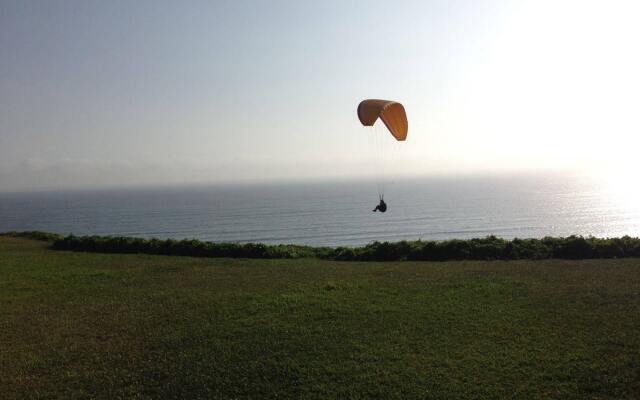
87, 325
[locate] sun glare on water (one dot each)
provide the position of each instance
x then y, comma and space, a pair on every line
618, 193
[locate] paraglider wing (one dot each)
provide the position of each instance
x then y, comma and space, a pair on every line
390, 112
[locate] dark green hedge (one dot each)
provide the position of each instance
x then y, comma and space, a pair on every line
187, 247
489, 248
35, 235
493, 248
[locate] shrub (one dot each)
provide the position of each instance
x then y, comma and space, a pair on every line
35, 235
489, 248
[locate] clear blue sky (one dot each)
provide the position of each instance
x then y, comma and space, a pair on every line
118, 92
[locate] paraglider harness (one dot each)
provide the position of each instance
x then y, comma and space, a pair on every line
382, 207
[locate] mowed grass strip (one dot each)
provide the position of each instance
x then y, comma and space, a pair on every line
86, 325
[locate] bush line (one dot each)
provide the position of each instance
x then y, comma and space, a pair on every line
488, 248
34, 235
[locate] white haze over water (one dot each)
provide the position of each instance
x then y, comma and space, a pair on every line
339, 213
136, 93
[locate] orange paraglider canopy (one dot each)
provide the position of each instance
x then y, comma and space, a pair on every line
390, 112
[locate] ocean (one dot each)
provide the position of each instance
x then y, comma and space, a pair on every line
337, 213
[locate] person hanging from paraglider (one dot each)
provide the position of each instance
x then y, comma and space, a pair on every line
382, 207
394, 118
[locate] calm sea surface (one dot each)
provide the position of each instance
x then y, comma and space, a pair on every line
338, 213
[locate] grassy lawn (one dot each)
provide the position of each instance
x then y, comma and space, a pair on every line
82, 325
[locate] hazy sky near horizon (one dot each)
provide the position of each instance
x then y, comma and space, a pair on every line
146, 92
